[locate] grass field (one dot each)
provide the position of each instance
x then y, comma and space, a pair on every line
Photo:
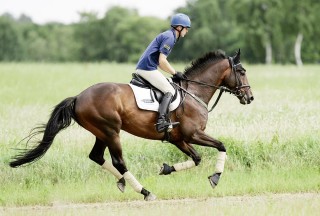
272, 144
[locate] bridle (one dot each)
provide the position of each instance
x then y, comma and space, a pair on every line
237, 70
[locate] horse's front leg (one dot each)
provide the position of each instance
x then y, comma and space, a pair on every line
188, 150
200, 138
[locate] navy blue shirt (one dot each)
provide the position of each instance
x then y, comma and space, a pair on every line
163, 43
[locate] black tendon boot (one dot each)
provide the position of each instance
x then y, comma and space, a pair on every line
162, 123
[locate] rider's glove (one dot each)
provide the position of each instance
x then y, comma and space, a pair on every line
178, 76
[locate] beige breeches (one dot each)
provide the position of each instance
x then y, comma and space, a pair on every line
157, 79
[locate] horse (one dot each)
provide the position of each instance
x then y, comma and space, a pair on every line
105, 109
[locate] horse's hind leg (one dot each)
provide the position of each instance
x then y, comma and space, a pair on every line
97, 154
118, 162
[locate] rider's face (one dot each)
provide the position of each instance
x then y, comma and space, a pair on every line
184, 32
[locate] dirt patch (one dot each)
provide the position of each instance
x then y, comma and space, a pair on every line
270, 204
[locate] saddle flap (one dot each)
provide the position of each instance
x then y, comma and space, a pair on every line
147, 98
139, 81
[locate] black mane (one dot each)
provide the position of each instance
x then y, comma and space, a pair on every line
201, 62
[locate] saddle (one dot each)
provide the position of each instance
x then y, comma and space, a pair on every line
148, 97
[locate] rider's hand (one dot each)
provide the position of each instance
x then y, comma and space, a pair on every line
178, 76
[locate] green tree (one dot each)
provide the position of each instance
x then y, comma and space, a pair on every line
302, 20
213, 27
10, 40
87, 34
121, 35
134, 36
113, 21
278, 27
276, 31
60, 42
262, 34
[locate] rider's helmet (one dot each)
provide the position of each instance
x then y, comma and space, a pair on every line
180, 19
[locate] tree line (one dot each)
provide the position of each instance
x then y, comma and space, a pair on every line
266, 31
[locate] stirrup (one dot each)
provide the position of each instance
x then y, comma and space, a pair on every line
165, 126
172, 125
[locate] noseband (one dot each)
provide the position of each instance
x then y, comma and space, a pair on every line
237, 71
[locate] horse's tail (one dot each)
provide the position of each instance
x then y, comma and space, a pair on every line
60, 119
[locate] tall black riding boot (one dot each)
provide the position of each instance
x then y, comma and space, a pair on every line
162, 123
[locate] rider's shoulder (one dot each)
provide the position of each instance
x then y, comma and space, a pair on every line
166, 35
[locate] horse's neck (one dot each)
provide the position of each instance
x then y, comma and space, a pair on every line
212, 75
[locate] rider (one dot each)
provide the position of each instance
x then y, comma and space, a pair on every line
156, 55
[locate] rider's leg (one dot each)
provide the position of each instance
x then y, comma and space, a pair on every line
162, 123
158, 80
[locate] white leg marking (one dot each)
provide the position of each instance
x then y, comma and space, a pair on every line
220, 162
132, 181
108, 166
184, 165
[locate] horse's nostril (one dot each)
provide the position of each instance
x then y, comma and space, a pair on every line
251, 98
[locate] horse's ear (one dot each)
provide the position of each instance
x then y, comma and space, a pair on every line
236, 58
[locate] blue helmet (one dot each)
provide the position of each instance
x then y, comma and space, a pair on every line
180, 19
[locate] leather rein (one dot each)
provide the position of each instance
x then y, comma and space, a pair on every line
236, 92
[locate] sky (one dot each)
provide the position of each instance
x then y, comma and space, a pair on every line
66, 11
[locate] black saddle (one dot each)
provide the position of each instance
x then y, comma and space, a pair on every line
137, 80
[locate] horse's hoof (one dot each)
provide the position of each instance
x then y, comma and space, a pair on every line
214, 179
150, 197
121, 184
165, 169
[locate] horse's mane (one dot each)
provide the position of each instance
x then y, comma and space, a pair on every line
201, 62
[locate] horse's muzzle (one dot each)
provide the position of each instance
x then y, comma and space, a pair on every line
246, 97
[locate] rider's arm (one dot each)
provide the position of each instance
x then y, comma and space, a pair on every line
165, 65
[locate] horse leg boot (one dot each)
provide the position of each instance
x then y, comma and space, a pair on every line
121, 184
148, 196
214, 179
162, 123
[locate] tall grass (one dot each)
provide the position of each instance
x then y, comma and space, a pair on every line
272, 144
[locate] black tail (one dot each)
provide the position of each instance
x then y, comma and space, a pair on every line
60, 119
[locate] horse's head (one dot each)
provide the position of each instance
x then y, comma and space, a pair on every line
217, 71
237, 80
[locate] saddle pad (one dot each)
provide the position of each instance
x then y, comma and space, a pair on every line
146, 100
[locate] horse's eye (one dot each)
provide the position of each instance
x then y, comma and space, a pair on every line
242, 71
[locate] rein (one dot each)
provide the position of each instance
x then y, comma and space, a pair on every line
221, 88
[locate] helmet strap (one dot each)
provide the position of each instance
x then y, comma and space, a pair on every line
179, 31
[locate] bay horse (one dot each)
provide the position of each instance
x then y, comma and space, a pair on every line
106, 108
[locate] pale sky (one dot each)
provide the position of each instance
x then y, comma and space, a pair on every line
66, 11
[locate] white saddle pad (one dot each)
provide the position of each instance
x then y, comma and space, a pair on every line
145, 99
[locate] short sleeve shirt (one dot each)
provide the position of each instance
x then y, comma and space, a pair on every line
163, 43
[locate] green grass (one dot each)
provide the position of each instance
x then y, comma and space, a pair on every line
272, 144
